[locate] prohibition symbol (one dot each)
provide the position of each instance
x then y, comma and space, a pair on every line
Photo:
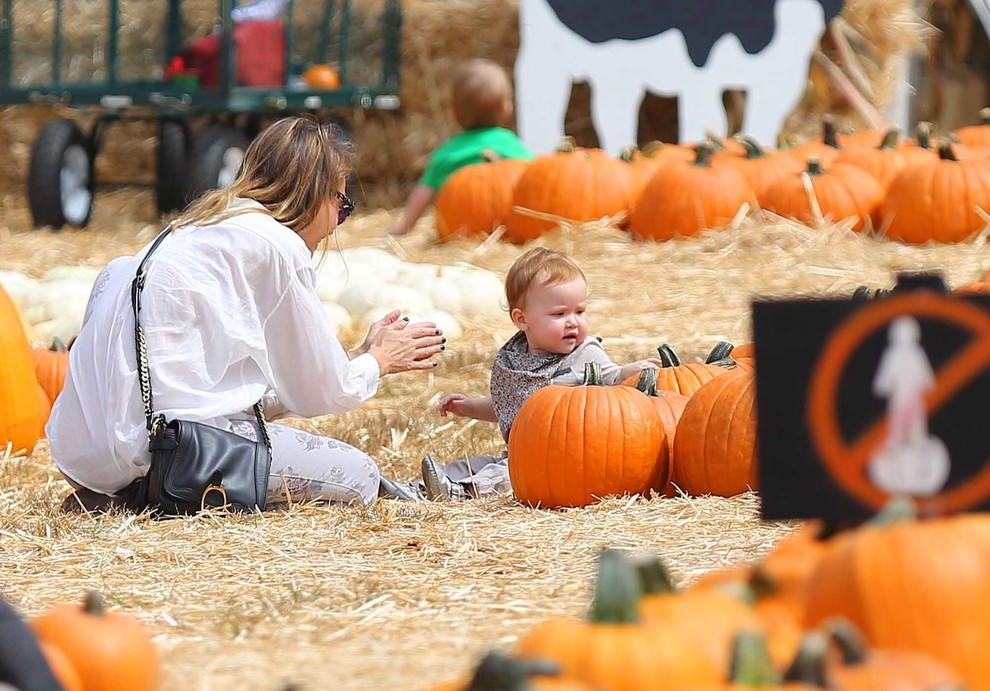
846, 460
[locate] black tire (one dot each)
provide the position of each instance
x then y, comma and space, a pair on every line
60, 176
215, 150
172, 184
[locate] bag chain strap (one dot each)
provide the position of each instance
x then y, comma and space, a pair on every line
154, 422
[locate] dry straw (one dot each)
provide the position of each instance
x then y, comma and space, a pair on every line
400, 595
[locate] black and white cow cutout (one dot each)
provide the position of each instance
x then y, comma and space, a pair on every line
692, 49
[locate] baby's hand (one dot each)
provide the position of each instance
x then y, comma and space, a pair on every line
454, 404
638, 366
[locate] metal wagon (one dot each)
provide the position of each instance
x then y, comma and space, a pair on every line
209, 97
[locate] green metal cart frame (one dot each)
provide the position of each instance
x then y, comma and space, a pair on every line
61, 180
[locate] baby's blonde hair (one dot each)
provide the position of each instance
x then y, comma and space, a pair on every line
481, 94
538, 267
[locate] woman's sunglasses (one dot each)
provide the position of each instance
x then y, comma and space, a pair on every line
346, 206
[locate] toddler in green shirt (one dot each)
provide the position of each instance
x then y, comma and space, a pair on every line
481, 101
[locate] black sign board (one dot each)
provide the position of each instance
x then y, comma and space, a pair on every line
860, 399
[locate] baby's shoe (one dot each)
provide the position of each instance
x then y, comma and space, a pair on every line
439, 487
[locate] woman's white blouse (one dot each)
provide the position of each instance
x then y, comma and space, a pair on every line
230, 313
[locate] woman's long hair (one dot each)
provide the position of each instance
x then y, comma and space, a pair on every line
291, 168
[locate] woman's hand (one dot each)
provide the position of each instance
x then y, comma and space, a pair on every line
400, 346
373, 331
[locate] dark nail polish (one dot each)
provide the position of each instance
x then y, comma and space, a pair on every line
443, 340
443, 347
405, 319
435, 364
437, 332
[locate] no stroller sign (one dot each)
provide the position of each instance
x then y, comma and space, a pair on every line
859, 401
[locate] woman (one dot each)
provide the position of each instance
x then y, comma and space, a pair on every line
231, 316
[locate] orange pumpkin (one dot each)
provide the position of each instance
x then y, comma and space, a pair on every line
937, 200
46, 410
942, 564
826, 148
613, 649
646, 161
572, 185
321, 77
711, 617
761, 168
669, 406
110, 650
843, 191
477, 198
716, 438
860, 668
682, 378
571, 445
51, 365
976, 136
20, 407
883, 162
62, 667
682, 199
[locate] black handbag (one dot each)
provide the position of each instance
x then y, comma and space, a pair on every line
195, 466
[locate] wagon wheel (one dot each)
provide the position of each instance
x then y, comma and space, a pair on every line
172, 185
216, 155
60, 177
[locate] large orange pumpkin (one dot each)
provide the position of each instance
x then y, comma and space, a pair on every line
716, 437
477, 198
572, 185
976, 136
825, 148
644, 162
843, 191
942, 565
571, 445
613, 650
669, 406
682, 199
20, 407
937, 200
110, 650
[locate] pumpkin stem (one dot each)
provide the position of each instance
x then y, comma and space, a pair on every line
721, 351
761, 584
617, 591
751, 664
654, 578
890, 139
703, 154
984, 116
923, 134
668, 356
814, 166
647, 382
714, 141
628, 153
808, 666
945, 152
58, 345
652, 148
898, 508
848, 639
829, 135
593, 374
753, 148
499, 672
93, 603
567, 145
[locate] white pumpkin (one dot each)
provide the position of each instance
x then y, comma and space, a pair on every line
337, 270
81, 274
482, 292
21, 288
64, 328
360, 298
